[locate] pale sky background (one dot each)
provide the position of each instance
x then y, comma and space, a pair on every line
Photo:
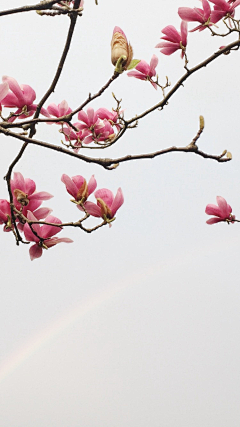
137, 325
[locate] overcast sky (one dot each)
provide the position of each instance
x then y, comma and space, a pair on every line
137, 325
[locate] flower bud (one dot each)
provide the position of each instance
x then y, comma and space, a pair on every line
121, 48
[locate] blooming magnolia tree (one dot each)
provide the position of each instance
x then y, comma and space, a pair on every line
82, 127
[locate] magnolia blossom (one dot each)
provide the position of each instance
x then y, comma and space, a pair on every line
78, 136
199, 15
45, 235
107, 205
174, 39
100, 130
223, 8
25, 196
121, 48
59, 110
111, 116
5, 215
222, 212
21, 97
78, 188
145, 71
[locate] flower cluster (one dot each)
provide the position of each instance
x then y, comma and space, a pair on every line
107, 205
93, 126
25, 211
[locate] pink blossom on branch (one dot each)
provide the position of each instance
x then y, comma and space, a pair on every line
223, 8
145, 71
59, 110
100, 130
196, 14
45, 239
107, 205
174, 40
78, 136
25, 196
222, 212
21, 97
78, 188
4, 88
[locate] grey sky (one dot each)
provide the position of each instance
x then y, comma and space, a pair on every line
137, 325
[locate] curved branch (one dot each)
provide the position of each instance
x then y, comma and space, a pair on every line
110, 163
183, 78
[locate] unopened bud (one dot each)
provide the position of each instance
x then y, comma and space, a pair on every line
201, 119
120, 48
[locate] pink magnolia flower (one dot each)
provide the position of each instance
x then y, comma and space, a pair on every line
111, 116
59, 110
107, 205
78, 188
223, 8
45, 234
79, 136
174, 39
200, 15
101, 130
25, 196
120, 47
21, 97
222, 212
5, 215
145, 71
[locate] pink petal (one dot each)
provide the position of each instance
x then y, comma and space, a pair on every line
153, 64
184, 31
137, 75
117, 202
172, 34
70, 185
206, 8
29, 235
55, 240
49, 230
78, 181
15, 88
64, 109
143, 67
189, 15
213, 220
35, 252
92, 209
53, 110
30, 186
4, 88
106, 195
41, 195
82, 116
18, 182
224, 207
29, 94
92, 184
213, 210
41, 213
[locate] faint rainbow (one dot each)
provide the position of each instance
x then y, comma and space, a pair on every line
60, 325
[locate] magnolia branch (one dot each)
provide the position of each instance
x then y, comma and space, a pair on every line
109, 163
189, 72
39, 6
